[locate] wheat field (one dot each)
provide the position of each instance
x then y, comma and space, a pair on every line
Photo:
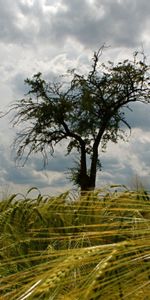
89, 247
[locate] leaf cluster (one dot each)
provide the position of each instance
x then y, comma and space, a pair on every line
83, 109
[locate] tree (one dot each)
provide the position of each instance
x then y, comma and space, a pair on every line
86, 110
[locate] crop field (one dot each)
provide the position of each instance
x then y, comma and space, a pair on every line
89, 247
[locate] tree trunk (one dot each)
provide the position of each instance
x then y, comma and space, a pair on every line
87, 183
93, 170
94, 160
84, 178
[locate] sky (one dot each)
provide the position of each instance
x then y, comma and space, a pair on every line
52, 36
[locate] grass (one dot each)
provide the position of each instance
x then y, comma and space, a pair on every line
93, 247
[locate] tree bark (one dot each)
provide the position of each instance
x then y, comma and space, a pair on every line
84, 178
94, 160
93, 170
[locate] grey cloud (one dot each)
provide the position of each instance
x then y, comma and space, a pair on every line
7, 19
124, 161
119, 174
120, 164
120, 23
125, 20
18, 84
139, 116
16, 24
58, 163
33, 172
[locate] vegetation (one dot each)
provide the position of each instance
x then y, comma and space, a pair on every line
87, 110
89, 248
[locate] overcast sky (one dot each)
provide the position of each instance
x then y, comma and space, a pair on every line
52, 36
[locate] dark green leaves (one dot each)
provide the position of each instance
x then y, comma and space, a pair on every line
85, 109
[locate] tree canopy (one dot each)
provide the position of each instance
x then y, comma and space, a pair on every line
87, 110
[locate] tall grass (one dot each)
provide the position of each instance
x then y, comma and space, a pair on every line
90, 248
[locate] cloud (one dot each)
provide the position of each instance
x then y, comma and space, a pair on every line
138, 116
120, 23
123, 161
32, 174
53, 36
16, 23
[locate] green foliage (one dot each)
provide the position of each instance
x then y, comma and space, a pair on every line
92, 247
79, 108
86, 110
